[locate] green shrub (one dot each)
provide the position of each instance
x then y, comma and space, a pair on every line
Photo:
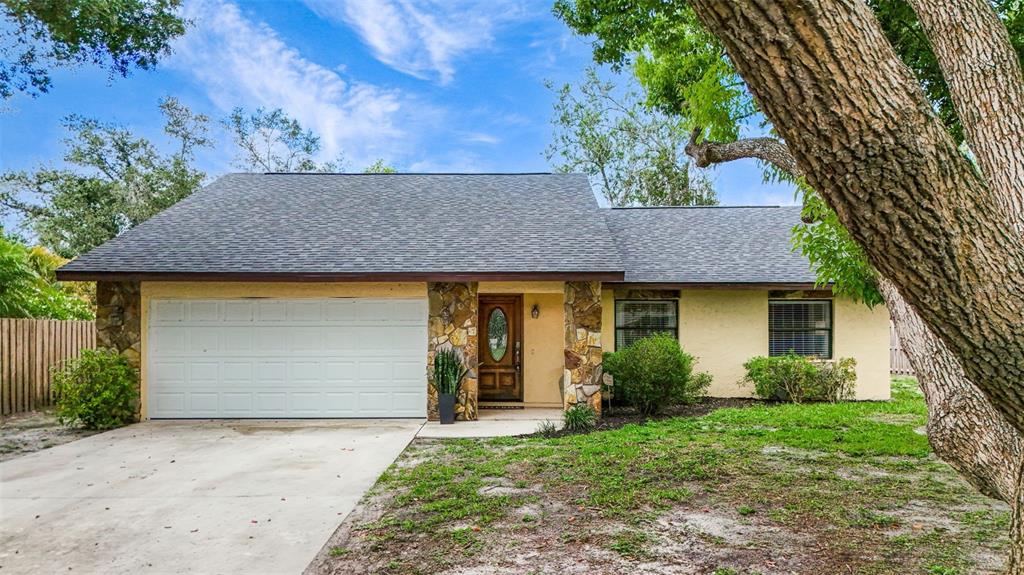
655, 373
580, 418
796, 378
98, 390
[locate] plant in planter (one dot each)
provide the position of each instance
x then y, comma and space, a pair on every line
448, 374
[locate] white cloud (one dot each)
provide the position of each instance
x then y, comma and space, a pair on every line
480, 138
422, 38
239, 62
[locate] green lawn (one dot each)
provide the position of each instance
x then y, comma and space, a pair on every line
850, 488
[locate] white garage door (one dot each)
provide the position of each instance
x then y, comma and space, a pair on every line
274, 358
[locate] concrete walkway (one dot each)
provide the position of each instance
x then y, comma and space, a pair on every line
191, 496
495, 423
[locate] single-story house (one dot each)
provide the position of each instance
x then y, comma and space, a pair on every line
326, 295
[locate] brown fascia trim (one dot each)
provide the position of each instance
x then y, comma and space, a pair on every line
72, 275
715, 285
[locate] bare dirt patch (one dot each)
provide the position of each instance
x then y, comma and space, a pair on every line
28, 432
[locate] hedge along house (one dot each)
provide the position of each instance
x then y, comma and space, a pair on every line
326, 295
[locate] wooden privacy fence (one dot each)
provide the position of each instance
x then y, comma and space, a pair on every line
898, 362
28, 349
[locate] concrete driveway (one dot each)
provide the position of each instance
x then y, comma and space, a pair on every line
191, 496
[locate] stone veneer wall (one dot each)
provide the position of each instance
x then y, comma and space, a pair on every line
119, 320
583, 374
453, 323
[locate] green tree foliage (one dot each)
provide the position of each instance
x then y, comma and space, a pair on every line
99, 390
120, 35
271, 141
685, 72
27, 287
634, 154
379, 167
115, 181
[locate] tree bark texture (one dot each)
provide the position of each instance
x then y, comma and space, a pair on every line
964, 429
865, 137
769, 150
985, 82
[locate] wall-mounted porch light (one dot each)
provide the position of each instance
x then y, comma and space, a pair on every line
535, 311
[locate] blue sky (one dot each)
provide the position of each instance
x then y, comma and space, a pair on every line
445, 85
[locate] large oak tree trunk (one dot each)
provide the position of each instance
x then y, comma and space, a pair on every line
865, 137
963, 427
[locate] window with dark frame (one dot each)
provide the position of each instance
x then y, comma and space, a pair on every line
801, 326
637, 319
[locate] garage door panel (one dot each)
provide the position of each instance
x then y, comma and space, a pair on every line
234, 372
306, 372
237, 339
204, 339
239, 311
167, 340
339, 310
340, 340
271, 311
236, 404
171, 403
287, 358
168, 311
203, 373
305, 311
304, 340
203, 311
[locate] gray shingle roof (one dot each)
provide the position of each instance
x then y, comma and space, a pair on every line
338, 224
709, 245
372, 223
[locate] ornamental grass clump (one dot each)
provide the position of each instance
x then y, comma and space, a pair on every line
580, 418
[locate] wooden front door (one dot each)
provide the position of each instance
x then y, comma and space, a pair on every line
501, 345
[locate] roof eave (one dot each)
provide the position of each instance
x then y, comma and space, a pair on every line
84, 275
761, 285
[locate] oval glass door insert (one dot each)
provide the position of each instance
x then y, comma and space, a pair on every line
497, 334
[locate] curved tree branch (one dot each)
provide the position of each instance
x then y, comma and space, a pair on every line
770, 150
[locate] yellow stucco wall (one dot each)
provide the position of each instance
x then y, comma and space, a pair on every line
863, 334
725, 328
543, 338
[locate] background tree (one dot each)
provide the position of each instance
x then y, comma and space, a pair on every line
379, 167
115, 180
634, 154
27, 287
271, 141
120, 35
965, 428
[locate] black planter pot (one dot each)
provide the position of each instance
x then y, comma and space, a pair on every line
446, 407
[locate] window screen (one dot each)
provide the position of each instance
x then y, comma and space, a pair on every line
637, 319
801, 326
